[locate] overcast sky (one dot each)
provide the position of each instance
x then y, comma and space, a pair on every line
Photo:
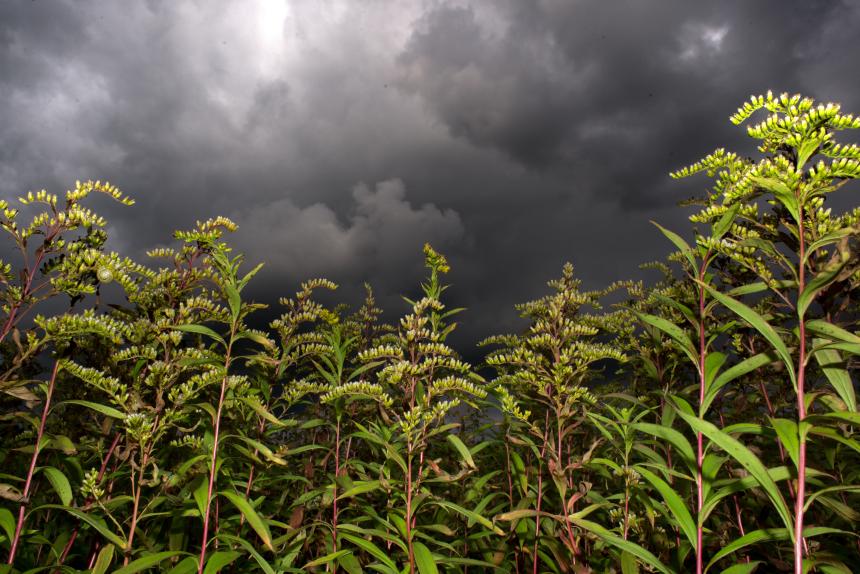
514, 135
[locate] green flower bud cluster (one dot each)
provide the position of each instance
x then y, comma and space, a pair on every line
111, 386
362, 389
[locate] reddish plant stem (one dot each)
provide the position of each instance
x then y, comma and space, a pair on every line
137, 490
511, 499
409, 508
28, 285
260, 429
700, 452
626, 506
799, 541
334, 490
25, 495
212, 466
535, 561
559, 454
89, 501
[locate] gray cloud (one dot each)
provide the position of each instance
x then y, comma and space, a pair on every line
383, 231
527, 133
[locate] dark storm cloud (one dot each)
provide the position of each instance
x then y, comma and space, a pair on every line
513, 135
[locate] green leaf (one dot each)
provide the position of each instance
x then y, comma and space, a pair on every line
623, 545
424, 559
673, 437
782, 193
828, 239
746, 366
819, 282
7, 523
360, 487
257, 523
103, 409
104, 559
465, 454
471, 515
713, 363
261, 410
201, 330
371, 549
331, 557
743, 567
629, 565
682, 245
676, 333
201, 494
786, 430
747, 459
97, 523
59, 483
674, 502
725, 222
218, 560
833, 367
264, 565
767, 535
760, 325
147, 562
831, 331
186, 566
234, 300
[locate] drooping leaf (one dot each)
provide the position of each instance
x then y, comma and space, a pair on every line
371, 549
674, 502
788, 435
679, 243
59, 483
747, 459
147, 562
758, 322
746, 366
782, 193
424, 559
96, 522
330, 557
465, 454
673, 437
678, 335
98, 407
254, 519
623, 545
833, 367
218, 560
104, 559
201, 330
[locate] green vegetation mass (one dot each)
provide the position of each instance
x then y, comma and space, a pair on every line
706, 422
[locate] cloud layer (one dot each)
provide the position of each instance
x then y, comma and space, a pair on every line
514, 135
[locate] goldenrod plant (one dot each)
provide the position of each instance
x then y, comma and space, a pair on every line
701, 421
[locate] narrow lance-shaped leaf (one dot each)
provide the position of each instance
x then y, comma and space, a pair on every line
676, 333
623, 545
59, 483
678, 242
147, 562
759, 324
465, 454
674, 502
424, 559
747, 459
833, 367
746, 366
254, 519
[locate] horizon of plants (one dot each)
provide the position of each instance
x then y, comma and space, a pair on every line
704, 422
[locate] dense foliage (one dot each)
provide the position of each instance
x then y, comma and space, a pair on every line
706, 422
